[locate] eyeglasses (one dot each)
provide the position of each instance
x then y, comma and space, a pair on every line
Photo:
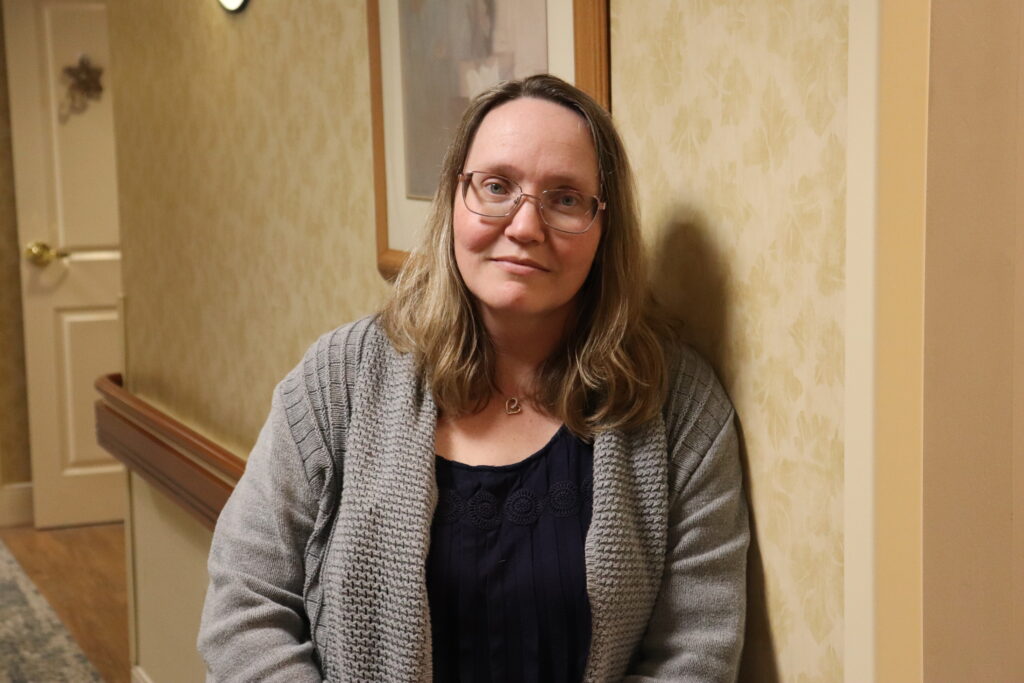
495, 196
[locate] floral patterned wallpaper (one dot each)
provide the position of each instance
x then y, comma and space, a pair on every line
734, 114
14, 455
245, 170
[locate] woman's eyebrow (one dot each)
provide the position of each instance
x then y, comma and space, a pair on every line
548, 181
498, 169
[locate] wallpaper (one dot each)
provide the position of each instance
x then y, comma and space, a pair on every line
14, 455
245, 164
734, 115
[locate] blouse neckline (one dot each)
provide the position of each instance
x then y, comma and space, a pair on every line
511, 466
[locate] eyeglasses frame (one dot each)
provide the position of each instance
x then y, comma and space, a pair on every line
465, 177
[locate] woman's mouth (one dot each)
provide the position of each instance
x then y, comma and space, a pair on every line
519, 266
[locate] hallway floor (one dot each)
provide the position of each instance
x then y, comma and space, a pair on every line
81, 572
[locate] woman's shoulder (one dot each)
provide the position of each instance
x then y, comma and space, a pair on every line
332, 362
343, 350
350, 341
317, 394
697, 407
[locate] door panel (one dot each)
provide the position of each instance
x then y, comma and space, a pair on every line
83, 153
66, 192
82, 356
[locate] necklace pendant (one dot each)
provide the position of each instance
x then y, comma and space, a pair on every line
512, 406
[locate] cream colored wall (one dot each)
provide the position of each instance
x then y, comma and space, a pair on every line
169, 583
972, 228
734, 114
14, 455
245, 167
862, 156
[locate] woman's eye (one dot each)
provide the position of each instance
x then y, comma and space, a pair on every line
495, 187
567, 200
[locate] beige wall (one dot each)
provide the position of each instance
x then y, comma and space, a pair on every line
1017, 624
734, 114
14, 457
862, 156
894, 504
245, 167
972, 227
1018, 384
944, 499
168, 585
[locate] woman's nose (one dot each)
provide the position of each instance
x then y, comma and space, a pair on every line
526, 224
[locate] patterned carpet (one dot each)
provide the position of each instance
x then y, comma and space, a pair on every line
34, 645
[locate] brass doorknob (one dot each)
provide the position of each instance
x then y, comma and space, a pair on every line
42, 254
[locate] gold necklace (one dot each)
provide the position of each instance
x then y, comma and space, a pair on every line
512, 406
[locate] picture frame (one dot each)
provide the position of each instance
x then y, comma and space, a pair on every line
578, 52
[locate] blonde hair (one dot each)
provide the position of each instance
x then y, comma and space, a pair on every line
610, 371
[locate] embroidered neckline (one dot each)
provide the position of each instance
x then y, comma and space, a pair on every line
522, 506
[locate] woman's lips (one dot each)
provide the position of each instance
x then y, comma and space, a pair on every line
518, 266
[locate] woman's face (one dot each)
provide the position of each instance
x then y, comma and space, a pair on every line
517, 267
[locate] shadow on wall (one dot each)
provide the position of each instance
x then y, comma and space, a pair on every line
691, 283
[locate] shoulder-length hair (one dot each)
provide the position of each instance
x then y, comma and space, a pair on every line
609, 373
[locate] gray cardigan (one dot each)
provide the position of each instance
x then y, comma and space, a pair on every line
317, 568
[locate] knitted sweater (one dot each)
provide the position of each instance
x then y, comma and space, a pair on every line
317, 567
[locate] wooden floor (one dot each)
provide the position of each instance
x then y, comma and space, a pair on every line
81, 572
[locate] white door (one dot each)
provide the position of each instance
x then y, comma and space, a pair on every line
58, 68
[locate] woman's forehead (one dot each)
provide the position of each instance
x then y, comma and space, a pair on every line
536, 139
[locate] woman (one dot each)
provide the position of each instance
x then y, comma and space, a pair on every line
510, 474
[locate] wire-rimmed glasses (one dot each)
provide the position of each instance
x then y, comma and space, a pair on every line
495, 196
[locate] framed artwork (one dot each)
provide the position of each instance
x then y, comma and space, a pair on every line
429, 58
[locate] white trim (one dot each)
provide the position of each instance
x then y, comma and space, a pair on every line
16, 504
129, 560
859, 422
139, 675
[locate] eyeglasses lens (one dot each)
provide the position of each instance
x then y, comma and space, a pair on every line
495, 197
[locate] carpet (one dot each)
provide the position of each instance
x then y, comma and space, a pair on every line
34, 645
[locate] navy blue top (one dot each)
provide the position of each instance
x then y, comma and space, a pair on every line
505, 573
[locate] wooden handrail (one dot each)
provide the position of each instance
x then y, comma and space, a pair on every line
195, 472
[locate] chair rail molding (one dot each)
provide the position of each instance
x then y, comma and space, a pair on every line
195, 472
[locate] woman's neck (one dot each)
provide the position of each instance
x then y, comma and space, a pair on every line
521, 346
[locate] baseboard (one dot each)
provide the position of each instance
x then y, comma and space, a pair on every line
16, 504
139, 675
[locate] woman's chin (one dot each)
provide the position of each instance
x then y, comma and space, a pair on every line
524, 309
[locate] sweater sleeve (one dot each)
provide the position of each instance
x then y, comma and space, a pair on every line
696, 630
254, 624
